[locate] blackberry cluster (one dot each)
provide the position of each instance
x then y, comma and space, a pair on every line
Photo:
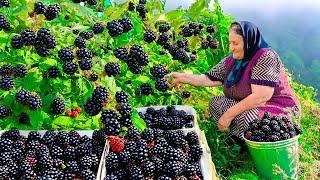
168, 118
272, 128
85, 64
86, 34
162, 85
94, 104
52, 11
70, 68
156, 155
112, 69
39, 8
32, 100
149, 36
65, 54
131, 6
45, 41
182, 43
20, 71
58, 106
121, 53
4, 111
186, 94
127, 24
118, 27
44, 157
211, 29
146, 89
4, 3
6, 83
16, 42
180, 55
4, 23
98, 28
142, 11
53, 72
158, 71
163, 38
93, 77
110, 122
164, 27
80, 42
6, 70
121, 97
84, 53
28, 37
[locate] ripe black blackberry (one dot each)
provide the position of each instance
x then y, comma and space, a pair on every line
211, 29
213, 44
112, 161
83, 53
148, 134
164, 177
69, 67
121, 97
164, 27
53, 72
52, 11
20, 71
28, 37
98, 28
4, 23
34, 101
134, 67
148, 168
196, 31
125, 110
92, 2
131, 6
16, 42
39, 8
173, 168
187, 32
115, 28
142, 11
93, 77
121, 53
4, 111
6, 83
48, 138
158, 71
100, 94
86, 34
41, 49
58, 106
127, 24
138, 55
85, 64
186, 94
5, 3
162, 85
85, 162
112, 69
146, 89
80, 42
107, 115
6, 70
149, 36
22, 96
65, 54
204, 44
93, 108
163, 38
125, 121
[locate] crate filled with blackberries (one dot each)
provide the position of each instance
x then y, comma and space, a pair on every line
169, 117
50, 155
154, 154
272, 128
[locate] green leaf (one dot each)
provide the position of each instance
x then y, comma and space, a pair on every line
62, 122
37, 118
138, 121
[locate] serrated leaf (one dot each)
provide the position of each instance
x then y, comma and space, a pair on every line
37, 118
138, 121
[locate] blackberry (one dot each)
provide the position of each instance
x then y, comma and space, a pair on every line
58, 106
72, 167
52, 11
66, 54
125, 121
192, 138
45, 162
93, 77
204, 44
182, 43
285, 136
85, 64
163, 38
6, 70
6, 83
75, 31
108, 115
83, 53
195, 153
133, 134
137, 54
121, 97
121, 53
273, 138
196, 31
164, 27
111, 176
187, 32
16, 42
98, 28
5, 3
92, 108
275, 127
84, 149
131, 6
80, 42
53, 72
186, 94
134, 67
12, 134
164, 177
265, 122
140, 154
149, 36
86, 34
148, 168
211, 29
142, 1
41, 49
182, 56
135, 173
115, 28
112, 161
70, 68
4, 23
28, 37
173, 168
146, 89
100, 94
158, 71
24, 118
162, 85
125, 109
140, 8
99, 136
39, 8
56, 152
297, 129
92, 2
34, 135
148, 134
34, 101
213, 44
266, 129
112, 69
20, 71
127, 24
87, 174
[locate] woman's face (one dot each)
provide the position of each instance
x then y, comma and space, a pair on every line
236, 45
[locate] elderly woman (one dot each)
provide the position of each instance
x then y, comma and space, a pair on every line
254, 81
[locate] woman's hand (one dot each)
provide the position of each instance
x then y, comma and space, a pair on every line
175, 78
224, 122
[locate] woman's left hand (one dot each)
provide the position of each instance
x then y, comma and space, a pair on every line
224, 122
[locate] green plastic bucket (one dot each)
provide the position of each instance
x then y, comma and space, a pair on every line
275, 160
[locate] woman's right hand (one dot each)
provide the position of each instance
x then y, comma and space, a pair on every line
175, 78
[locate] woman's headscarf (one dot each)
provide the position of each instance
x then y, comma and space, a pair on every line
253, 41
